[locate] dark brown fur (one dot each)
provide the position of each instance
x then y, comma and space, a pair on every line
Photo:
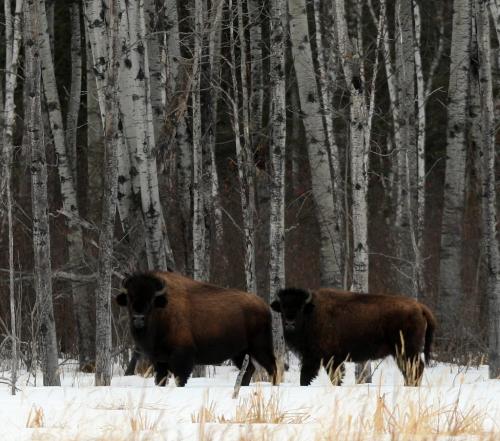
196, 323
335, 326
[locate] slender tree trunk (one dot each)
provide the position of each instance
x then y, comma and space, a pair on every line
406, 157
245, 174
489, 196
331, 259
451, 286
419, 226
76, 87
41, 234
200, 270
135, 107
81, 301
255, 8
12, 44
277, 152
326, 100
109, 202
214, 51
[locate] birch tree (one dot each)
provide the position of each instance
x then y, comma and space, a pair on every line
406, 154
40, 209
255, 8
489, 195
214, 54
245, 165
13, 39
277, 147
109, 200
200, 270
331, 253
135, 107
451, 287
76, 87
81, 301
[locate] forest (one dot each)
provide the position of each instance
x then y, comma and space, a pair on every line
254, 144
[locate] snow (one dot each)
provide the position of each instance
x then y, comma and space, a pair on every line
452, 403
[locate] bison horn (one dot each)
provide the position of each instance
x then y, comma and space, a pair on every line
123, 290
161, 291
309, 297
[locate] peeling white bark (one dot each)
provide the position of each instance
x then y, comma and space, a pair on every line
331, 261
40, 208
451, 287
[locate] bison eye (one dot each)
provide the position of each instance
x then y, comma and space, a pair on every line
275, 306
160, 302
121, 299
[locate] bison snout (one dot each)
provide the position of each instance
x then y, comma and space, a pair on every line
138, 321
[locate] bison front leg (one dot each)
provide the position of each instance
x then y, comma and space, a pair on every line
309, 371
161, 374
181, 365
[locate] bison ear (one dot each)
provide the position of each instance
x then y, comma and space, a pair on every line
275, 306
121, 299
160, 301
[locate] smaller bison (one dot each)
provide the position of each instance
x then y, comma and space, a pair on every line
331, 326
177, 322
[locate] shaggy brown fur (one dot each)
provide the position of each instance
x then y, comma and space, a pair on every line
178, 322
331, 326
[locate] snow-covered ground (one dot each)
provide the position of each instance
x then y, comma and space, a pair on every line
452, 403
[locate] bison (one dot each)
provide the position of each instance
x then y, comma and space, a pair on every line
178, 322
331, 326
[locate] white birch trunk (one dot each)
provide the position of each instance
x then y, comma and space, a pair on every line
76, 87
489, 195
326, 99
359, 152
109, 202
135, 106
331, 260
13, 38
406, 159
419, 225
200, 258
81, 301
245, 174
214, 51
277, 146
200, 270
12, 44
156, 69
451, 287
177, 95
256, 71
40, 208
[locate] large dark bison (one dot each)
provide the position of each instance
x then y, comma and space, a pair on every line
331, 326
178, 322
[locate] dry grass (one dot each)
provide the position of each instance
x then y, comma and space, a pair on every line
256, 409
36, 418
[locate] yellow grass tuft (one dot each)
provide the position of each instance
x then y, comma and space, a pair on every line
36, 418
256, 409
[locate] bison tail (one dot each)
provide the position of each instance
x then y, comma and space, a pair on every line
429, 333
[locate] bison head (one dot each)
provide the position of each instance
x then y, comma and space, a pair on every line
294, 305
140, 293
